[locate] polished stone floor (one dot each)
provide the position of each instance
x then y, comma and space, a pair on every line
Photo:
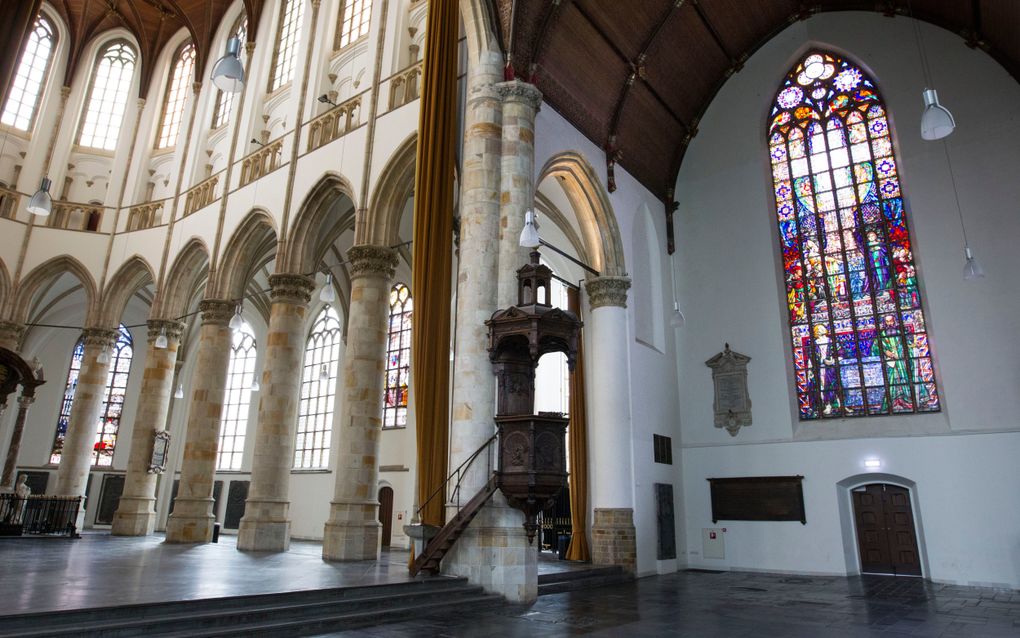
739, 605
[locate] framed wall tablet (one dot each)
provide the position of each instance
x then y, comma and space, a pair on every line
758, 498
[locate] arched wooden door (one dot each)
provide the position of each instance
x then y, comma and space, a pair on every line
386, 514
885, 530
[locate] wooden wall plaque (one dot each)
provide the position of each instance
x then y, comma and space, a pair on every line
758, 498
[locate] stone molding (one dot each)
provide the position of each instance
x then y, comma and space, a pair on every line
607, 291
216, 311
520, 92
102, 337
174, 329
11, 332
292, 289
372, 261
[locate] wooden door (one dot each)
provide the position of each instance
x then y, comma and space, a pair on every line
386, 514
885, 530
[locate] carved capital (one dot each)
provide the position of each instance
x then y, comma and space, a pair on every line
372, 261
11, 334
102, 337
292, 289
25, 400
172, 329
607, 291
216, 311
520, 92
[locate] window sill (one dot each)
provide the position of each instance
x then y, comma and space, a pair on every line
311, 471
394, 427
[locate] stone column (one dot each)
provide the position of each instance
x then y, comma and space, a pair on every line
352, 531
11, 335
11, 463
192, 519
136, 514
609, 424
79, 442
521, 102
265, 525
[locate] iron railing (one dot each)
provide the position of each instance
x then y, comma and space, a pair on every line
459, 474
39, 515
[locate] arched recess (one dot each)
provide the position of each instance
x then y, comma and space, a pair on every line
326, 212
42, 275
649, 314
255, 236
479, 27
133, 274
179, 283
599, 230
381, 223
5, 285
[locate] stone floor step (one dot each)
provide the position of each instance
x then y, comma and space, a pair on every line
575, 574
558, 582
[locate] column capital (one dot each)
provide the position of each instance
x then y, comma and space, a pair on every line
172, 328
520, 92
292, 289
607, 291
367, 260
11, 334
102, 337
216, 311
25, 400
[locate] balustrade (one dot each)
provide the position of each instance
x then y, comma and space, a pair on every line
334, 123
144, 216
404, 87
74, 216
201, 195
262, 162
8, 203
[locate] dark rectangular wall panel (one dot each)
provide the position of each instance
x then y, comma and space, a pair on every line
109, 498
236, 496
665, 521
37, 481
758, 498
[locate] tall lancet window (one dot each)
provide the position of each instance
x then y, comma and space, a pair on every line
355, 17
181, 77
234, 419
33, 68
108, 97
224, 100
318, 391
860, 342
287, 37
398, 358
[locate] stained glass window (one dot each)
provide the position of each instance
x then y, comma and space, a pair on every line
234, 418
113, 400
398, 358
181, 78
108, 96
285, 55
860, 343
224, 100
354, 21
318, 391
23, 98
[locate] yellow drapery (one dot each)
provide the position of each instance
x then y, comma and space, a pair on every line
578, 444
433, 248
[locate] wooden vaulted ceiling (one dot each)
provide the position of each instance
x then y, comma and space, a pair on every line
635, 76
152, 22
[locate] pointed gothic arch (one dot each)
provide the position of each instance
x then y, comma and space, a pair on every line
30, 285
326, 212
253, 237
134, 274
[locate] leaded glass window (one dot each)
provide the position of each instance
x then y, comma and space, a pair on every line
285, 55
234, 418
108, 424
23, 98
180, 79
318, 391
398, 358
860, 343
225, 100
108, 96
354, 21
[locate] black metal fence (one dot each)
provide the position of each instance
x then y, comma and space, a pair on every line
39, 515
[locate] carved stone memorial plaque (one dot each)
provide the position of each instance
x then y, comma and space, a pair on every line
731, 402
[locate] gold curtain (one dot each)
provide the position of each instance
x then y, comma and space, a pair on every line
578, 443
433, 249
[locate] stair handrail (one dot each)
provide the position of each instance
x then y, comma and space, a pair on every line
459, 473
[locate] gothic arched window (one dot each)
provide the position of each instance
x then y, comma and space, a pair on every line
355, 17
398, 358
108, 96
287, 36
860, 342
113, 400
234, 419
177, 86
225, 100
318, 391
33, 69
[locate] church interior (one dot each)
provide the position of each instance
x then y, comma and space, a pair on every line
692, 309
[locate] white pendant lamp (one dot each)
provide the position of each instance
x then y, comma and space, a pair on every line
228, 73
237, 321
677, 320
936, 121
529, 234
161, 340
327, 295
179, 393
41, 203
103, 357
971, 267
255, 385
324, 373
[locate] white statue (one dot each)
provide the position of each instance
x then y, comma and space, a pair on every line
23, 490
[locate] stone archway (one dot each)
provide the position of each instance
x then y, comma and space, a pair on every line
26, 290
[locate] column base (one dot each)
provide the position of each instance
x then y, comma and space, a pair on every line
614, 539
352, 532
494, 553
264, 526
135, 516
191, 522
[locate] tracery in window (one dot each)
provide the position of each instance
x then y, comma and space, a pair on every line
398, 358
224, 100
176, 94
354, 21
285, 56
108, 96
234, 418
26, 89
113, 400
860, 343
318, 392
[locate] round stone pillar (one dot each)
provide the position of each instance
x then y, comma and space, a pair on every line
265, 525
11, 335
136, 513
352, 531
609, 424
521, 102
192, 519
76, 458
